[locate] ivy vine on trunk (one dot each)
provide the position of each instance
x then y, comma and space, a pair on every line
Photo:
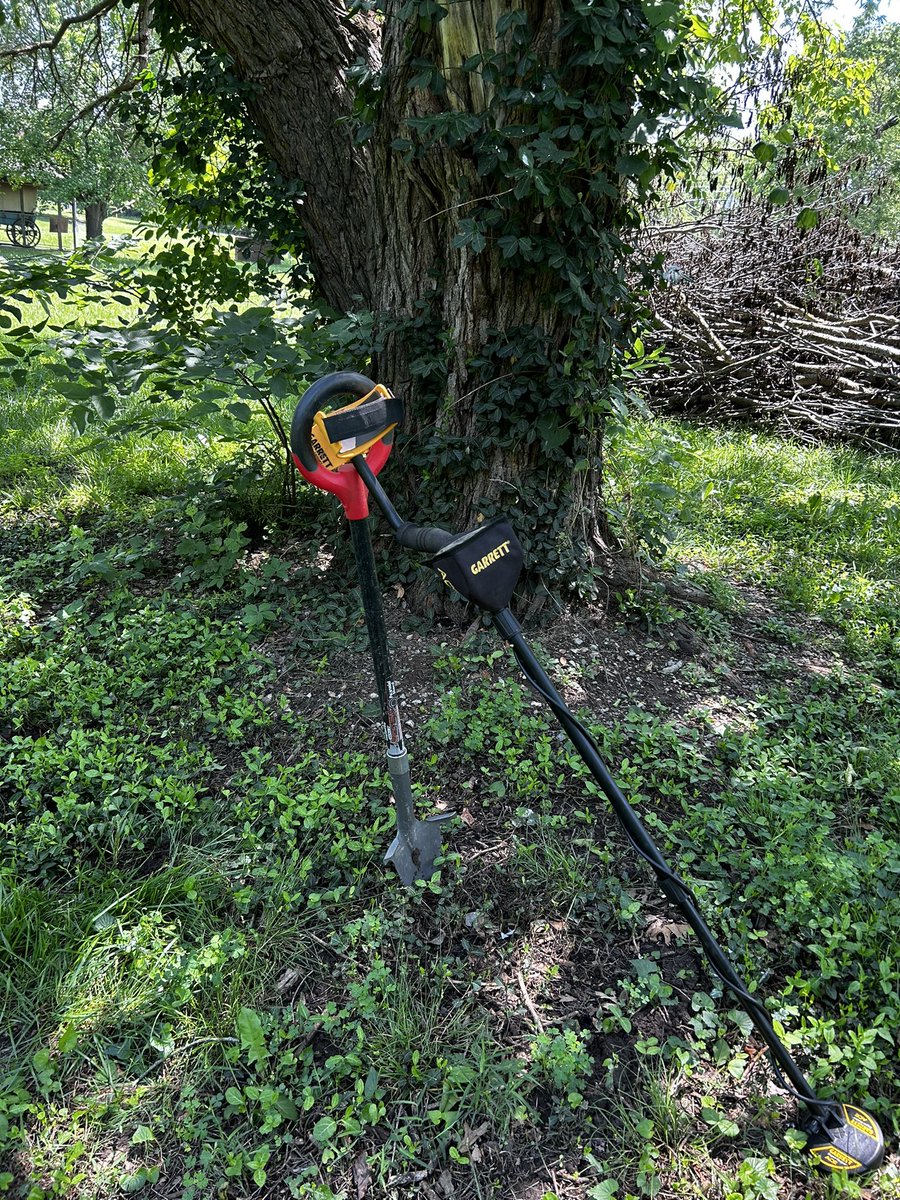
469, 176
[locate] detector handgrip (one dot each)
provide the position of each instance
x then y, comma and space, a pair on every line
345, 482
430, 539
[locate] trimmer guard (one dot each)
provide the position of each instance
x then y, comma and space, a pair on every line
311, 427
845, 1140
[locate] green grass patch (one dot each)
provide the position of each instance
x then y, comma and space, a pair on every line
211, 985
816, 527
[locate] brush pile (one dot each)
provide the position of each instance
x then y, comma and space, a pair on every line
797, 330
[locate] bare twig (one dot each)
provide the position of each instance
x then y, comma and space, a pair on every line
535, 1015
82, 18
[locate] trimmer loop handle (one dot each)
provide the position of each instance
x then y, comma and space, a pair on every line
343, 482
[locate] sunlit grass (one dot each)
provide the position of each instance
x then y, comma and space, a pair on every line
818, 526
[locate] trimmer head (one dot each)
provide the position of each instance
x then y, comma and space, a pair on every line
845, 1139
414, 850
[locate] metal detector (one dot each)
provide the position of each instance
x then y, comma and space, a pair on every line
342, 452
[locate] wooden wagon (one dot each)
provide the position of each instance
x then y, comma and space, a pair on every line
17, 205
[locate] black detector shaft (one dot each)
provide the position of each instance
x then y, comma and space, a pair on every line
483, 565
342, 453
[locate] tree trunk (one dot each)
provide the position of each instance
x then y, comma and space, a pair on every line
469, 343
95, 214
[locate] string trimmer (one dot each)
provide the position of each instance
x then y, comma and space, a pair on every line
343, 451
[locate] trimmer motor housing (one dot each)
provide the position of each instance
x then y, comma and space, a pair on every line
483, 565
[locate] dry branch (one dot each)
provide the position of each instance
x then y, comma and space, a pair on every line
797, 331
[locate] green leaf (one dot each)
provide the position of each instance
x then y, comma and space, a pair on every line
658, 14
807, 218
142, 1135
235, 1097
371, 1084
240, 411
139, 1180
105, 406
632, 164
287, 1107
324, 1130
764, 152
253, 1040
603, 1191
68, 1039
779, 195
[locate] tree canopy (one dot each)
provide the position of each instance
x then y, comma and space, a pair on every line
65, 75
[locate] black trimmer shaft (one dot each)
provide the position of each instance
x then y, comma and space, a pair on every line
674, 889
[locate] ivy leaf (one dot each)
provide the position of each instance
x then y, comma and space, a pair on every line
764, 152
324, 1130
253, 1039
551, 433
779, 195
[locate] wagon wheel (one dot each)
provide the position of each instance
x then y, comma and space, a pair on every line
21, 234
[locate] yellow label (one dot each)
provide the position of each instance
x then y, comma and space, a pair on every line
830, 1156
860, 1120
490, 558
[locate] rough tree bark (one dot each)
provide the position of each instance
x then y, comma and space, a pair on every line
379, 230
95, 214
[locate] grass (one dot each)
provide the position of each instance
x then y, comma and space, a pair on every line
211, 986
112, 227
817, 527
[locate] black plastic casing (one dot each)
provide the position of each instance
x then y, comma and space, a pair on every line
483, 565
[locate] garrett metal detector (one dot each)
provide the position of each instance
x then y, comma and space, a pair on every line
342, 452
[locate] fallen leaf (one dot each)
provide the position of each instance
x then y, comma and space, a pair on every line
408, 1179
399, 590
466, 817
362, 1176
471, 1136
445, 1182
660, 929
287, 980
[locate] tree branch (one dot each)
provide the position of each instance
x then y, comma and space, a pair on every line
127, 85
81, 18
